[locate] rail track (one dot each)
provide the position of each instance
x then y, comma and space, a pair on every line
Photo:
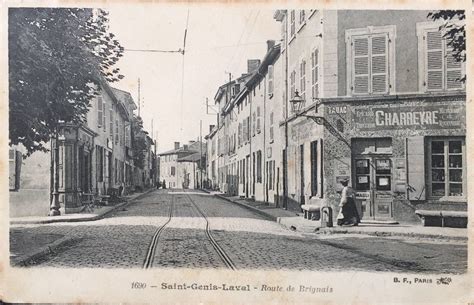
150, 255
148, 262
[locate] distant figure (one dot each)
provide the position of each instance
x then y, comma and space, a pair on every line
164, 184
348, 214
120, 190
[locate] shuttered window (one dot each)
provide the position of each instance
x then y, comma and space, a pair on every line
292, 23
442, 71
370, 64
99, 111
258, 120
270, 80
303, 79
271, 127
292, 84
314, 73
104, 111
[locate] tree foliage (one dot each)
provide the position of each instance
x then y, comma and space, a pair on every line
455, 32
57, 59
139, 144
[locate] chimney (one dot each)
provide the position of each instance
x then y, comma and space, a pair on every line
185, 147
270, 45
176, 145
252, 65
211, 127
191, 142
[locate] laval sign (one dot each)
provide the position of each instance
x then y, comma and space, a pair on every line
432, 116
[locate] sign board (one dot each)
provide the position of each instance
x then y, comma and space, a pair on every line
362, 195
432, 116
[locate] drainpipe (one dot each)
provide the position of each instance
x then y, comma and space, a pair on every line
285, 158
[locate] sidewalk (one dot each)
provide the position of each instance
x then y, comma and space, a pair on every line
295, 222
99, 212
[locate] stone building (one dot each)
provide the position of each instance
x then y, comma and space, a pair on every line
387, 107
92, 157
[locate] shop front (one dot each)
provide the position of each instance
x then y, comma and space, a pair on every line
400, 154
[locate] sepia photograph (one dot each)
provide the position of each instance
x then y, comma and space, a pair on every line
198, 149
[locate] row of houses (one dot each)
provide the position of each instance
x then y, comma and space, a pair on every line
108, 154
375, 97
184, 166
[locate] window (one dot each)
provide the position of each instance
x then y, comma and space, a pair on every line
446, 168
254, 123
314, 168
270, 80
100, 112
302, 16
370, 60
303, 79
116, 131
240, 134
438, 68
314, 74
259, 166
111, 123
271, 127
292, 23
173, 170
258, 120
104, 111
14, 163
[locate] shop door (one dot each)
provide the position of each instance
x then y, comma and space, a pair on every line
373, 186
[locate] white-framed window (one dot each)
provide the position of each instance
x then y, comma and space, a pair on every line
292, 23
370, 54
447, 168
438, 68
303, 79
116, 131
111, 123
314, 73
270, 81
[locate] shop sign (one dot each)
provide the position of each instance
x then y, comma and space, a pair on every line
433, 116
362, 195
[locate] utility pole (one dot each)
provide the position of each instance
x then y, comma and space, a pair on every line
139, 102
200, 149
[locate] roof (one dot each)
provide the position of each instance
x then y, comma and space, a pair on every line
125, 96
191, 148
190, 158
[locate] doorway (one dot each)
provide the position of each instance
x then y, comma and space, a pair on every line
373, 176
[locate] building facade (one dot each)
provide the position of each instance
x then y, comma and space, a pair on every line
388, 111
94, 157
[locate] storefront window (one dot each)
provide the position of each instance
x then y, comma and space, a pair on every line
446, 172
362, 174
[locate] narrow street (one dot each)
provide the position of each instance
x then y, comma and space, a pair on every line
143, 235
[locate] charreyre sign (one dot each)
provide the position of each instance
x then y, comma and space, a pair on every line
432, 116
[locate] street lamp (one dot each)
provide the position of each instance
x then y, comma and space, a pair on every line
297, 104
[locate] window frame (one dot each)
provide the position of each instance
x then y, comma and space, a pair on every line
446, 168
421, 29
390, 30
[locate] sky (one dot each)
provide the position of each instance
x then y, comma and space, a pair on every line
219, 40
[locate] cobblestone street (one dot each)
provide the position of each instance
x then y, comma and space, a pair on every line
123, 239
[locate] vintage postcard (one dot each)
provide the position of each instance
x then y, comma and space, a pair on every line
309, 152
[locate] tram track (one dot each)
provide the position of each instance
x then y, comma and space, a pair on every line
222, 254
149, 259
150, 256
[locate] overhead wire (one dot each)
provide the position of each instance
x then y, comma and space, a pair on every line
182, 72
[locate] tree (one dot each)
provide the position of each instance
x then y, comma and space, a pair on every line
139, 144
57, 59
455, 32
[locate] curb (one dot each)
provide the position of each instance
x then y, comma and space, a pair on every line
91, 218
44, 250
251, 208
386, 234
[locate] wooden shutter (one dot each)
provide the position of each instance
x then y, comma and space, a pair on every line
104, 111
360, 69
258, 119
270, 79
453, 70
99, 111
416, 168
314, 74
434, 60
379, 63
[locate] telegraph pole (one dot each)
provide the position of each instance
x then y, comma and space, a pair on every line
200, 149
